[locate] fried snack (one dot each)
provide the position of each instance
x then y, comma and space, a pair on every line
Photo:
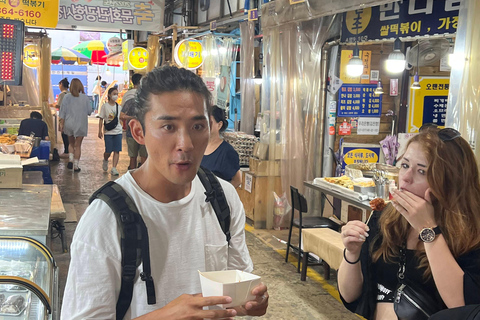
8, 138
378, 204
343, 181
13, 305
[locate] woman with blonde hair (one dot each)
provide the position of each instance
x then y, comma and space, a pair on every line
421, 253
73, 115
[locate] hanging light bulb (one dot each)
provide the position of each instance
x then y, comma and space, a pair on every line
355, 65
379, 88
416, 83
396, 60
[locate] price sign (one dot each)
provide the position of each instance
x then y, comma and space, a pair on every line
35, 13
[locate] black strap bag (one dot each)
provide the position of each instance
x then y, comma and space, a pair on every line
134, 233
411, 302
112, 124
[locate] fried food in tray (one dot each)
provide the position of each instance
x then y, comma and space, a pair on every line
342, 181
8, 138
14, 305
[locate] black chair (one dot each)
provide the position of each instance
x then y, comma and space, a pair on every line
300, 203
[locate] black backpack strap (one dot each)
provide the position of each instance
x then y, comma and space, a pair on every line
215, 195
134, 244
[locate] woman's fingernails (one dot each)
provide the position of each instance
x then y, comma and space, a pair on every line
233, 312
366, 234
362, 237
368, 228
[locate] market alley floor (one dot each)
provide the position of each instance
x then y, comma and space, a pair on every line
290, 298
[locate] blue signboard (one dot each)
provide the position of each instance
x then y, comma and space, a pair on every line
407, 18
358, 100
435, 109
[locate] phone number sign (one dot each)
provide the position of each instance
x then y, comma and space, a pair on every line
32, 12
357, 100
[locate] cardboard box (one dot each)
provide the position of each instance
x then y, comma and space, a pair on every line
10, 171
263, 167
260, 151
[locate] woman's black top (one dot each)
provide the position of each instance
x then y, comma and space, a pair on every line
381, 277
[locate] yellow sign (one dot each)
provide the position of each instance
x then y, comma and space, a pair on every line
31, 56
429, 103
366, 57
188, 54
360, 156
35, 13
138, 58
296, 1
127, 45
357, 20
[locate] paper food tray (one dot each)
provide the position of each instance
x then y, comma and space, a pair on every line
232, 283
327, 185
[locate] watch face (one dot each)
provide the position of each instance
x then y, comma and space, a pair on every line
427, 235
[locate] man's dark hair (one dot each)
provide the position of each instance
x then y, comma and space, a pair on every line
103, 83
36, 115
65, 83
136, 79
168, 79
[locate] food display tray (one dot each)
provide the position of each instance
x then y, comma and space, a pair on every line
331, 186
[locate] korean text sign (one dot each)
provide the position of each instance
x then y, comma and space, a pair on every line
429, 103
112, 14
407, 18
33, 13
357, 100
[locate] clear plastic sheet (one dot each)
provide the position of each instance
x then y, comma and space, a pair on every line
217, 51
463, 97
279, 12
45, 87
291, 95
247, 84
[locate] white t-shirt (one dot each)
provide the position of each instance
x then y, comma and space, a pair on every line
107, 113
184, 236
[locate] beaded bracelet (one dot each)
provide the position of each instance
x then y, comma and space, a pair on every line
345, 257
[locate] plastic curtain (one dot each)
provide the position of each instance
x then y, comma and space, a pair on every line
247, 84
291, 97
463, 97
45, 85
217, 52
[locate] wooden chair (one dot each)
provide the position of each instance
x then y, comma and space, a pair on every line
300, 203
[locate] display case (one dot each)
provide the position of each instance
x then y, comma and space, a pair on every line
28, 280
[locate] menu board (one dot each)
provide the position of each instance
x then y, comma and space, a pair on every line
359, 100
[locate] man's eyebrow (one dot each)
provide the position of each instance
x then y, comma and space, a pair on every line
170, 118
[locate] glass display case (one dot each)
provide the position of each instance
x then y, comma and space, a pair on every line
28, 280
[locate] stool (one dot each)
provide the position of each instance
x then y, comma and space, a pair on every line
325, 243
57, 217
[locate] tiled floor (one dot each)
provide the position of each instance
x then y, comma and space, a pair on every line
290, 297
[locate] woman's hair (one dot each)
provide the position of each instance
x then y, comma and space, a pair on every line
453, 179
103, 83
164, 80
219, 116
64, 83
76, 87
110, 91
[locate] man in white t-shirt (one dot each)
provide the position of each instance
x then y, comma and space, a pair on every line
185, 237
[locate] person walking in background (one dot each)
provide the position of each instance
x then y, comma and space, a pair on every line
220, 157
74, 112
110, 129
63, 86
128, 113
427, 240
97, 91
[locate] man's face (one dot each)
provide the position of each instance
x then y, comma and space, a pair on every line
176, 135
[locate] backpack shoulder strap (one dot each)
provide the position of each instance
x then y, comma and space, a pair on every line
215, 195
134, 244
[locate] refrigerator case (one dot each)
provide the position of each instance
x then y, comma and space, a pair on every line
28, 280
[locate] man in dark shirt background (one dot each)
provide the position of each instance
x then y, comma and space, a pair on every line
34, 124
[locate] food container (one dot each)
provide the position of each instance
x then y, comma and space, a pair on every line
233, 283
364, 185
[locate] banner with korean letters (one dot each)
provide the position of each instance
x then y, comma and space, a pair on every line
141, 15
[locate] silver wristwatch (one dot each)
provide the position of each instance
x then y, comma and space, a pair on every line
429, 234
